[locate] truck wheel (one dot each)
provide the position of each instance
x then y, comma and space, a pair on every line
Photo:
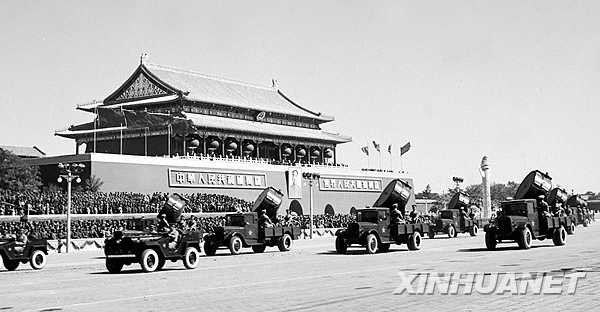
372, 244
191, 258
38, 260
585, 223
490, 240
285, 242
10, 265
259, 248
149, 260
451, 231
414, 241
235, 245
210, 248
524, 239
114, 266
384, 247
559, 237
474, 230
571, 229
340, 245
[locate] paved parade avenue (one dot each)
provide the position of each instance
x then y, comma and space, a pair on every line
312, 277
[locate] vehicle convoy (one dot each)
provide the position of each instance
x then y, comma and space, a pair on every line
378, 227
455, 219
557, 200
580, 215
35, 252
526, 217
254, 229
151, 249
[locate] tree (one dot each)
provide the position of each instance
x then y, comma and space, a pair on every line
92, 184
16, 175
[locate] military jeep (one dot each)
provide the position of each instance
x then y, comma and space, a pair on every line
450, 222
521, 220
152, 249
244, 230
35, 252
374, 229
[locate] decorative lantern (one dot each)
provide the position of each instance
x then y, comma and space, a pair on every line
315, 153
301, 152
232, 146
328, 153
194, 143
214, 144
249, 147
287, 151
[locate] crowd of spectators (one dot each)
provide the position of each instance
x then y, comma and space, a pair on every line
53, 202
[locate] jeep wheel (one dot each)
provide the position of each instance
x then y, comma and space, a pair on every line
114, 266
372, 244
191, 258
10, 265
149, 260
384, 247
210, 248
474, 230
524, 239
490, 240
571, 229
285, 243
451, 231
235, 245
414, 241
38, 260
259, 248
340, 245
560, 236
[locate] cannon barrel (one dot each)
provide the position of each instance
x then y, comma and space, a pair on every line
459, 200
396, 192
270, 200
536, 183
557, 196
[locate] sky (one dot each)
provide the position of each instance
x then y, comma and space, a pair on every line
513, 80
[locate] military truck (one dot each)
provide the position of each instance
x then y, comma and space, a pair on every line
557, 199
244, 230
579, 214
35, 252
451, 222
374, 228
521, 219
151, 249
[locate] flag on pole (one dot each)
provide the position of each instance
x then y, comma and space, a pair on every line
404, 149
377, 146
365, 149
390, 148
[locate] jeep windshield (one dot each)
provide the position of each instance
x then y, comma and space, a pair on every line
235, 220
447, 214
367, 216
515, 209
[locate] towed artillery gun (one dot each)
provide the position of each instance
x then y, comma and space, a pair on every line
451, 222
152, 249
35, 252
557, 198
522, 219
244, 230
374, 228
580, 213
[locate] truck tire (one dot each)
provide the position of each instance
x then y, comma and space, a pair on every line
259, 248
372, 244
384, 247
191, 258
37, 260
113, 265
451, 231
149, 260
490, 240
285, 242
559, 237
235, 245
525, 238
571, 229
584, 222
414, 241
474, 230
340, 245
210, 248
10, 265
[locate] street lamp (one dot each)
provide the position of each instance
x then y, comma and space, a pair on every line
69, 172
312, 178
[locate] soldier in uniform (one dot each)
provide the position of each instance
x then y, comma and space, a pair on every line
396, 215
163, 225
21, 241
264, 220
414, 215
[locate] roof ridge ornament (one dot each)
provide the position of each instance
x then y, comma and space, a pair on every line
143, 58
275, 84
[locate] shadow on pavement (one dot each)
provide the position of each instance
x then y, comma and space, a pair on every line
501, 248
135, 271
356, 252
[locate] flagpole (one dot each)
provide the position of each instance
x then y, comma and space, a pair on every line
169, 139
121, 141
95, 121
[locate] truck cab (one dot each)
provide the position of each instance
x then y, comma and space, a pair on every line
451, 222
